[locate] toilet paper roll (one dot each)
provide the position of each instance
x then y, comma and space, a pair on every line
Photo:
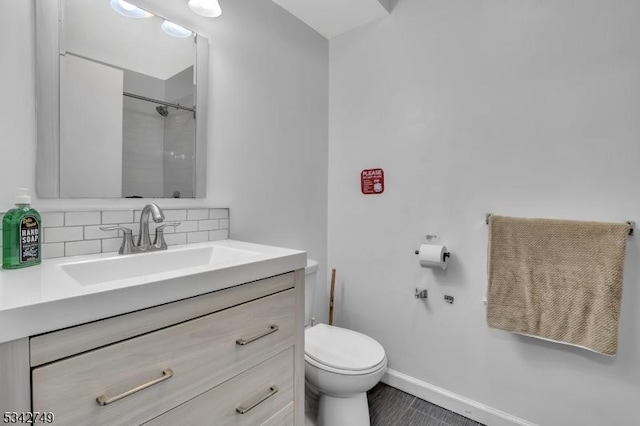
433, 256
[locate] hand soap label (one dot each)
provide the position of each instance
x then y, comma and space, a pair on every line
29, 239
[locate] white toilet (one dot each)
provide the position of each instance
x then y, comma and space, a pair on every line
340, 366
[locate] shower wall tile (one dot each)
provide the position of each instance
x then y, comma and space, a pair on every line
72, 233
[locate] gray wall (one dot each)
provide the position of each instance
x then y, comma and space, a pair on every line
522, 108
268, 121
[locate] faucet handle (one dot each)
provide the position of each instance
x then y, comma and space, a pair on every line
127, 240
159, 243
165, 224
116, 228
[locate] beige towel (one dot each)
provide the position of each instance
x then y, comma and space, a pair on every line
557, 279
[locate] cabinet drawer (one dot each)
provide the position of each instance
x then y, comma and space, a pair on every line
265, 391
282, 418
59, 344
200, 353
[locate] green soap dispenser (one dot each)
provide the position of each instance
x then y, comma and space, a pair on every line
21, 233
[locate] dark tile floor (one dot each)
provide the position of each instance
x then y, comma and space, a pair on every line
389, 406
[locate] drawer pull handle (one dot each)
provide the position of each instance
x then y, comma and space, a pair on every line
105, 400
272, 329
243, 410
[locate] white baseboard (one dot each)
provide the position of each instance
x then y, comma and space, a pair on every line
451, 401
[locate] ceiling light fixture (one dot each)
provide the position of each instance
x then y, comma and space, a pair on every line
175, 30
208, 8
127, 9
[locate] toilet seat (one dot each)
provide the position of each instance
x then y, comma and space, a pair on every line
342, 351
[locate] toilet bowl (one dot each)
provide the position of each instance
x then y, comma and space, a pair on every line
341, 365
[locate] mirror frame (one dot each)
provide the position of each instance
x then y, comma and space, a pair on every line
49, 18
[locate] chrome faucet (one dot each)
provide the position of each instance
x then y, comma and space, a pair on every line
144, 239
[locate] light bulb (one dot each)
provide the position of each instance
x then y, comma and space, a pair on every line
175, 30
127, 9
208, 8
126, 5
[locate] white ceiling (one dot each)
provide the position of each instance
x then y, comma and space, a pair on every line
334, 17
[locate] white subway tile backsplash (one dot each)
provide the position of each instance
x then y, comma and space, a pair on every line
187, 226
154, 225
197, 237
50, 251
63, 234
169, 215
117, 216
82, 218
77, 248
178, 238
197, 214
208, 225
184, 226
51, 219
74, 233
111, 244
219, 234
93, 232
175, 215
218, 213
135, 227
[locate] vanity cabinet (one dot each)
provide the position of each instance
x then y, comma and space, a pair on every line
234, 356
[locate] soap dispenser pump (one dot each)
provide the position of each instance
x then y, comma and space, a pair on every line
21, 233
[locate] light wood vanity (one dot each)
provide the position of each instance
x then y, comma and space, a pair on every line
232, 356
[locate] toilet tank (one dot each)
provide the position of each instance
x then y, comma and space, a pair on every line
310, 272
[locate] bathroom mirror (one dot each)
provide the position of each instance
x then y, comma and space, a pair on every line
121, 104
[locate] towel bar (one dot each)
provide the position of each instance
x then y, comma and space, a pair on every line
631, 223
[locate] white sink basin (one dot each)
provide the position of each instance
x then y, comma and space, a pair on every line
95, 286
116, 268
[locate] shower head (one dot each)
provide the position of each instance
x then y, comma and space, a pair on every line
162, 110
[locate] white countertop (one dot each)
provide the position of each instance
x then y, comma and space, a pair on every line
44, 298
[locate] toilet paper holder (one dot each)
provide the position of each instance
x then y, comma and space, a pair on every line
446, 255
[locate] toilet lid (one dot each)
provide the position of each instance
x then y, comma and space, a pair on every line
341, 348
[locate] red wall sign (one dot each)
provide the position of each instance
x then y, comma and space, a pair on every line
372, 181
